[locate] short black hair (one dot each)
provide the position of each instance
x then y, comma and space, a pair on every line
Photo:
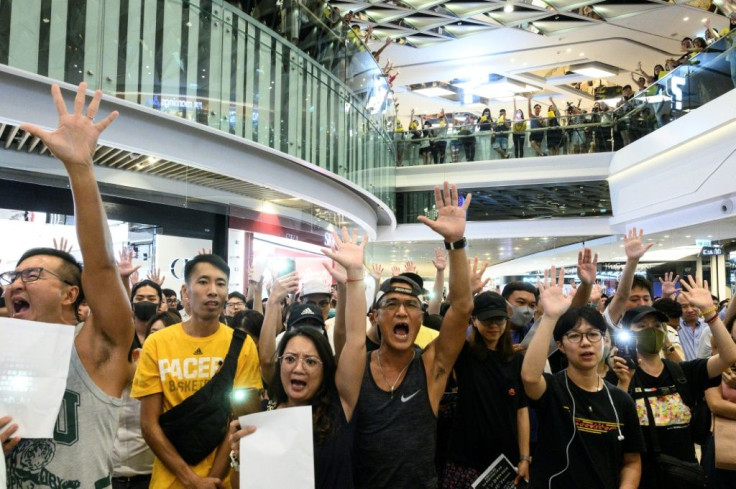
512, 287
249, 321
213, 260
642, 282
670, 307
169, 292
70, 269
627, 86
147, 283
574, 316
237, 295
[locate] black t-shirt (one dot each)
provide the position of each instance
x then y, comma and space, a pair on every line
595, 454
489, 394
671, 415
333, 460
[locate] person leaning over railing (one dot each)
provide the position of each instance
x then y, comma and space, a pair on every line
519, 131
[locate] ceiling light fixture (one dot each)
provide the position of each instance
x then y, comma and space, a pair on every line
508, 8
594, 69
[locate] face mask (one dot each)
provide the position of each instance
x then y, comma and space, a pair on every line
144, 310
522, 315
650, 340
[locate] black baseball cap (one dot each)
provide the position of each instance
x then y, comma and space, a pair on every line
301, 313
638, 313
416, 278
489, 305
401, 284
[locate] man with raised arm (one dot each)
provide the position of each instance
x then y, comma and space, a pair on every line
397, 411
631, 292
46, 286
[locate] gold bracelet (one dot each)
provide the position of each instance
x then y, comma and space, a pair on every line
708, 311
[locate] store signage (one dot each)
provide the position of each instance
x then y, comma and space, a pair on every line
702, 242
173, 103
711, 251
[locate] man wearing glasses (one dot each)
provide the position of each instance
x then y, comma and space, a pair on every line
399, 400
46, 286
235, 302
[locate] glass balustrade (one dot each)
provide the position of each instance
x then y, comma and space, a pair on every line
208, 62
700, 80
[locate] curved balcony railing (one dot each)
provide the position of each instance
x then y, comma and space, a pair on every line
208, 62
705, 77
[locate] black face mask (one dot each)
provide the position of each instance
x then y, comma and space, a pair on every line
144, 310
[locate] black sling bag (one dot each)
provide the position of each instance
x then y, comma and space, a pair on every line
198, 425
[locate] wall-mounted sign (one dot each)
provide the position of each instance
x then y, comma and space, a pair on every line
711, 251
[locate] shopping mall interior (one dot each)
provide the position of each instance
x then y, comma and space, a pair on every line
257, 130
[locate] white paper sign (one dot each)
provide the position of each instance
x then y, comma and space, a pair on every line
280, 452
34, 364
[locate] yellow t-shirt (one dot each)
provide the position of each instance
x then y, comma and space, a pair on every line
177, 365
425, 336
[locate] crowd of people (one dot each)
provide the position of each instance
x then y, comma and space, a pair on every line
575, 390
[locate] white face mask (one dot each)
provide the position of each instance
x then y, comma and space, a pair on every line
522, 315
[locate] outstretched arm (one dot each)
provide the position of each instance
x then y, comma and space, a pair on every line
439, 357
105, 339
698, 294
587, 268
555, 304
282, 286
635, 249
440, 263
349, 253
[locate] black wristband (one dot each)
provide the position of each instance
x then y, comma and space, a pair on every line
457, 245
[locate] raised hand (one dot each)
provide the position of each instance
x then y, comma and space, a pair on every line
476, 276
395, 270
596, 293
205, 251
75, 139
587, 266
669, 284
551, 296
440, 259
376, 271
125, 263
697, 293
634, 246
347, 252
62, 245
450, 222
410, 267
283, 286
155, 275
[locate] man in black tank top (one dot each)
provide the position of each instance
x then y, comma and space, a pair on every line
397, 410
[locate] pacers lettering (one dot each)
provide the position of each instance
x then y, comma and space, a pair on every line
188, 368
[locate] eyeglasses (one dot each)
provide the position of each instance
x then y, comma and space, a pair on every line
235, 304
593, 336
394, 304
172, 300
28, 275
310, 363
499, 321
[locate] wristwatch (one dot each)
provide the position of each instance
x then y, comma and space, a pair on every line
526, 457
457, 245
234, 462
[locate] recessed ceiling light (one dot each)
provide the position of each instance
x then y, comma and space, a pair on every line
569, 50
686, 19
582, 54
687, 236
666, 235
508, 8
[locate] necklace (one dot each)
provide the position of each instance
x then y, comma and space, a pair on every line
389, 384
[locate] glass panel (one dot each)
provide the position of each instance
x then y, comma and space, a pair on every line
206, 61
